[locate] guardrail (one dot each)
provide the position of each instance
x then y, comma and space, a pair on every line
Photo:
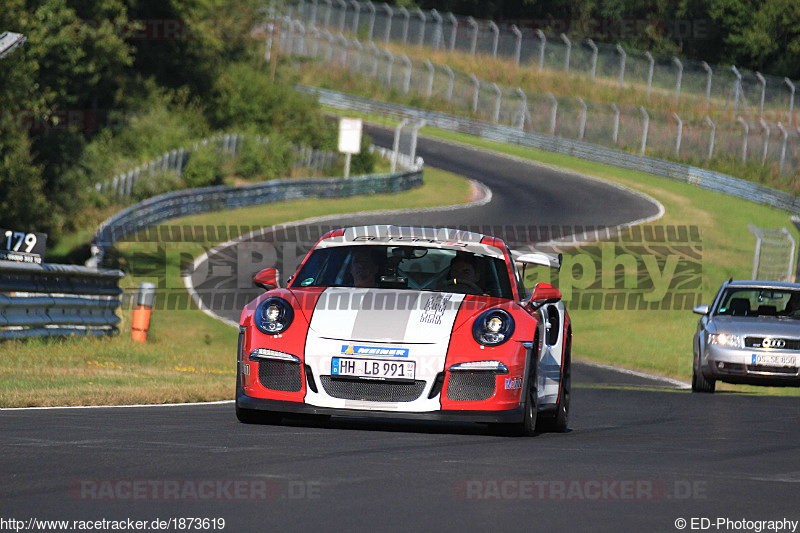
707, 179
54, 300
150, 212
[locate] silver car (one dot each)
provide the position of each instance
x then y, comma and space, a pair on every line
749, 334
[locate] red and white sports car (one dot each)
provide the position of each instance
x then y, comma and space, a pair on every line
412, 323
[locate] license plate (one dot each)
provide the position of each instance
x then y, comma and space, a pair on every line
372, 368
774, 360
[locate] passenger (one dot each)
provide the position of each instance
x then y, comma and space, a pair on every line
364, 267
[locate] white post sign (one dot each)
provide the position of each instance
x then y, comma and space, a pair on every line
349, 140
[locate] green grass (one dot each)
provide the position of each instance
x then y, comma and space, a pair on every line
189, 356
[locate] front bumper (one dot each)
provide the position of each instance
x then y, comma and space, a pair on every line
735, 365
504, 417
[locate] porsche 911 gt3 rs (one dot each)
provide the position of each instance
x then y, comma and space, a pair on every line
415, 323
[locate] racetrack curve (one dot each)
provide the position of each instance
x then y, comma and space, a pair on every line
639, 454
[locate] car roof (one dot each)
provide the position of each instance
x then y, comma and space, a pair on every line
446, 238
759, 284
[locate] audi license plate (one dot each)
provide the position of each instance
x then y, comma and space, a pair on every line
774, 360
372, 368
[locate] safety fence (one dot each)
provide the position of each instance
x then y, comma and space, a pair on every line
706, 179
575, 46
120, 187
153, 211
768, 139
773, 258
53, 300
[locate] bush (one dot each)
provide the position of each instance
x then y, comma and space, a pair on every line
363, 162
204, 167
149, 185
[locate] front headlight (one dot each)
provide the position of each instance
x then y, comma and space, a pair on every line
493, 327
724, 339
273, 315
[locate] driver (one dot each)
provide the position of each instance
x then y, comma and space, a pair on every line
466, 268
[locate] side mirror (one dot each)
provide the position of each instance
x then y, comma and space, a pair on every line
544, 293
267, 279
700, 309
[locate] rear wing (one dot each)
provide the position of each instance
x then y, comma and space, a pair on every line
537, 258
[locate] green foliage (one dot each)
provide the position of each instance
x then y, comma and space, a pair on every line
149, 185
204, 167
364, 162
23, 205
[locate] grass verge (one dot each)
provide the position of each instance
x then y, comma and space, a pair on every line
189, 356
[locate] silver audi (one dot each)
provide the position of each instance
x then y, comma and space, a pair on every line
749, 334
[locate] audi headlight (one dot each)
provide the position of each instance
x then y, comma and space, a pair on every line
724, 339
273, 316
493, 327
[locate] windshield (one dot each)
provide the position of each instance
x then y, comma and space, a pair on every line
754, 302
405, 267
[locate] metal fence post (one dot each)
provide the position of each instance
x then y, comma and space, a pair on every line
451, 78
371, 26
788, 82
582, 129
476, 84
678, 64
359, 48
407, 79
396, 143
329, 52
645, 129
437, 29
766, 129
498, 95
356, 15
679, 135
431, 73
652, 62
711, 137
594, 57
313, 16
345, 48
390, 57
763, 83
315, 32
496, 32
474, 39
542, 41
375, 58
414, 134
568, 44
553, 113
517, 44
737, 85
454, 22
388, 30
523, 107
342, 15
406, 19
709, 73
421, 38
622, 57
783, 145
615, 135
328, 11
746, 127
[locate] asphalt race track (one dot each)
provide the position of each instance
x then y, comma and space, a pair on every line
641, 455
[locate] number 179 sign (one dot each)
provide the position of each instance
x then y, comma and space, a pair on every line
21, 246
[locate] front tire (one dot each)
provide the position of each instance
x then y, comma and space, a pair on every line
527, 427
699, 382
558, 421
